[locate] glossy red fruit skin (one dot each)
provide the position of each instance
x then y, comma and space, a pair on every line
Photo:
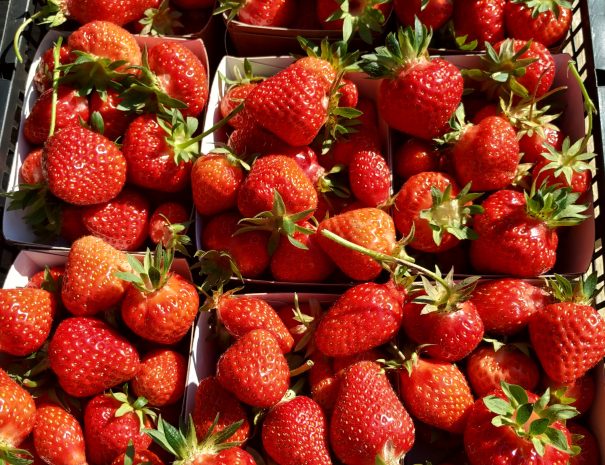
274, 13
240, 315
26, 317
296, 433
414, 197
215, 183
546, 27
174, 213
35, 281
486, 368
212, 399
323, 382
151, 159
17, 411
234, 456
434, 15
582, 389
254, 369
88, 356
480, 20
414, 157
43, 78
532, 146
72, 226
161, 377
506, 305
487, 155
165, 315
569, 339
436, 393
485, 443
349, 94
370, 178
71, 107
365, 316
306, 159
58, 436
115, 121
510, 242
181, 75
581, 181
429, 90
590, 453
31, 169
366, 415
233, 97
452, 335
107, 436
252, 139
140, 457
117, 11
83, 167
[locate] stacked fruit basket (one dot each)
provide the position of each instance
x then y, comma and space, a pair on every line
384, 249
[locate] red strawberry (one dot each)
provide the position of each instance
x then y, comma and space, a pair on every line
429, 89
85, 11
486, 367
272, 13
234, 96
370, 178
531, 144
506, 305
161, 377
583, 390
77, 173
479, 20
43, 78
140, 457
89, 284
70, 109
165, 215
72, 226
52, 276
433, 14
17, 414
108, 431
323, 382
115, 121
26, 316
254, 369
88, 356
368, 419
586, 441
436, 393
122, 222
31, 168
362, 13
296, 433
365, 316
58, 437
211, 399
349, 94
252, 139
414, 157
545, 23
306, 159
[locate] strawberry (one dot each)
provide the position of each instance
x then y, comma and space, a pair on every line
370, 178
31, 168
26, 316
212, 400
506, 305
17, 416
272, 13
349, 94
121, 222
546, 23
88, 356
163, 217
49, 279
478, 21
586, 441
254, 369
295, 432
436, 393
368, 227
365, 316
369, 420
72, 226
579, 394
497, 431
306, 159
115, 120
364, 16
140, 457
430, 89
89, 284
532, 143
159, 305
43, 78
433, 14
111, 421
76, 173
71, 108
517, 232
433, 206
58, 437
252, 138
236, 94
414, 157
487, 366
161, 377
323, 383
85, 11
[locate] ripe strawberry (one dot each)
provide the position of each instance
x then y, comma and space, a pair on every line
295, 432
49, 279
88, 356
75, 171
161, 377
586, 441
349, 94
272, 13
58, 437
89, 284
546, 23
252, 138
433, 206
323, 383
532, 143
234, 96
26, 316
369, 420
370, 178
487, 367
517, 232
276, 173
72, 226
436, 393
254, 369
433, 14
414, 157
211, 399
140, 457
159, 305
17, 415
121, 222
110, 423
115, 121
70, 109
479, 21
496, 432
43, 78
368, 227
506, 305
365, 316
579, 394
306, 159
430, 89
165, 215
85, 11
31, 168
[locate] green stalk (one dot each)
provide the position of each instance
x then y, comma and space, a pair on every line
19, 32
589, 106
56, 72
216, 127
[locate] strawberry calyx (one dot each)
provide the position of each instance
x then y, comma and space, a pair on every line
555, 206
42, 209
279, 223
308, 323
13, 456
137, 406
153, 273
445, 295
336, 54
459, 126
452, 214
527, 118
542, 6
330, 182
365, 20
531, 421
218, 267
160, 21
231, 7
88, 72
175, 236
580, 291
247, 78
569, 160
179, 134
